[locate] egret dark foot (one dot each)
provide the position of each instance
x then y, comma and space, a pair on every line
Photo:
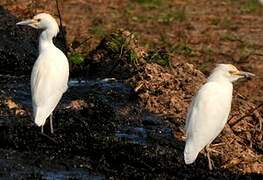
51, 123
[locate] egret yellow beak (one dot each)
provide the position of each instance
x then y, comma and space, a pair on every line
242, 73
29, 22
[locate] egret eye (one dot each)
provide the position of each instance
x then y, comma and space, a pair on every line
232, 72
38, 20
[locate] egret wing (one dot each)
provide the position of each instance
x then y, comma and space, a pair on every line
48, 79
208, 114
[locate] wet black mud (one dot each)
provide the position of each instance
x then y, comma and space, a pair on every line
101, 131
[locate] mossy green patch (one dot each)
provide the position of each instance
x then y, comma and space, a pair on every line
76, 58
161, 57
173, 15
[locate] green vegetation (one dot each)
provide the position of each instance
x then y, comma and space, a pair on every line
116, 43
141, 18
182, 48
160, 57
251, 6
215, 21
174, 15
224, 22
76, 58
97, 31
121, 44
246, 50
206, 67
227, 23
208, 50
150, 3
231, 37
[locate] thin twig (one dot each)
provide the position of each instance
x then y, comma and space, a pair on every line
49, 138
85, 40
61, 25
246, 115
59, 14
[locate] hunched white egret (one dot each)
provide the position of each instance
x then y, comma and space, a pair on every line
50, 73
209, 110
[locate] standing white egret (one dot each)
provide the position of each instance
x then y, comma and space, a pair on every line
50, 73
209, 110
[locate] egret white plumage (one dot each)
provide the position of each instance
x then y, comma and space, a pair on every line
209, 110
50, 73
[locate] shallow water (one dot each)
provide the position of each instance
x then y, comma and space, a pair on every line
20, 90
133, 134
107, 84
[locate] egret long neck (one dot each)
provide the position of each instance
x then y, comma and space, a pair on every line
221, 79
46, 39
218, 77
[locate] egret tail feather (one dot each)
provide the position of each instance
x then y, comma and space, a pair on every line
40, 118
190, 154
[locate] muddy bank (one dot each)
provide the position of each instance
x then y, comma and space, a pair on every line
101, 131
102, 128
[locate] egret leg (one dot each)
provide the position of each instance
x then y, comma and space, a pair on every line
51, 123
42, 129
210, 161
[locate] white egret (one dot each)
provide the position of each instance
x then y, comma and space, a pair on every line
209, 110
50, 73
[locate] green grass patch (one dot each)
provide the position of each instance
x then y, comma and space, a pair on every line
182, 48
149, 3
246, 50
251, 6
175, 15
231, 37
208, 50
161, 57
215, 21
227, 23
76, 58
205, 67
98, 31
142, 18
120, 46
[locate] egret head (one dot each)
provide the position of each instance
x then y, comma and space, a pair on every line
42, 21
229, 72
